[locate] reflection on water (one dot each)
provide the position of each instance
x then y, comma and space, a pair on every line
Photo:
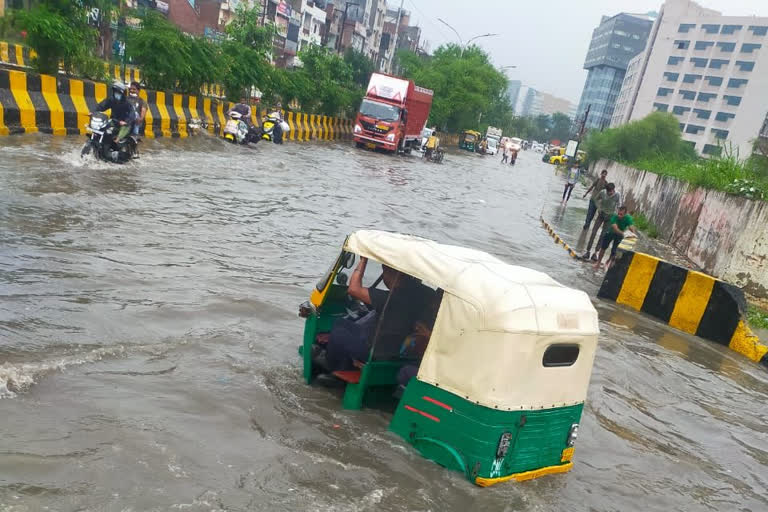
148, 338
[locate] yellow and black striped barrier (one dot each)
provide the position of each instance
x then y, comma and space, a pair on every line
31, 103
685, 299
557, 238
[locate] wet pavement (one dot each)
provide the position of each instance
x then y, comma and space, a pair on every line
148, 336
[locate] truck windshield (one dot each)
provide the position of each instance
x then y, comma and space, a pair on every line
380, 111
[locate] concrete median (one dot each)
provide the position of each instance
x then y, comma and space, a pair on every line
690, 301
32, 103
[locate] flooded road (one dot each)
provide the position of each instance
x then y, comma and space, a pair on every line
148, 337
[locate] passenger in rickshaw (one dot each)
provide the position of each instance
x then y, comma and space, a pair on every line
416, 343
349, 341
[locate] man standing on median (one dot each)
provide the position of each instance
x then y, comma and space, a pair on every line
607, 201
598, 185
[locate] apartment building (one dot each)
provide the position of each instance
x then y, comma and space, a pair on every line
710, 71
614, 43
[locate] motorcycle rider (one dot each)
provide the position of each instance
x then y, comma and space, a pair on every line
122, 110
139, 105
277, 131
245, 112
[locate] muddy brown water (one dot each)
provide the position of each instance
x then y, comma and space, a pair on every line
148, 336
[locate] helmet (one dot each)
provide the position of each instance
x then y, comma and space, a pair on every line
118, 87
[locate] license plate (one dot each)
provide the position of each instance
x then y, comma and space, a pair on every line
371, 145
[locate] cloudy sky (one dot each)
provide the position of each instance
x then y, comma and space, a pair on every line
546, 39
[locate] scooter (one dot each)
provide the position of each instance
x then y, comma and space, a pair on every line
237, 131
269, 131
102, 132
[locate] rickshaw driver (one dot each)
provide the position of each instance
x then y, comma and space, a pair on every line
348, 341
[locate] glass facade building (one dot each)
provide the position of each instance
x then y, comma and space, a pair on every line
614, 43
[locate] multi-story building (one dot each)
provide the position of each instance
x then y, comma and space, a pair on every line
532, 102
628, 90
513, 93
708, 70
312, 24
614, 43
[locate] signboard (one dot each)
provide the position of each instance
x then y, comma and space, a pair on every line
162, 6
570, 150
284, 9
388, 87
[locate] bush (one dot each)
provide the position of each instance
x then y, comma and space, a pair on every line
57, 40
757, 318
646, 226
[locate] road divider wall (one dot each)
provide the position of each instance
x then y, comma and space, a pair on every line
31, 103
725, 235
687, 300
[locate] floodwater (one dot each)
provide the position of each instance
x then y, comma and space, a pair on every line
148, 337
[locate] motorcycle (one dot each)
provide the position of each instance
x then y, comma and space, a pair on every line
237, 131
434, 155
102, 132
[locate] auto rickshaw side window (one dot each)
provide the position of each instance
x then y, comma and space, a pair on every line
560, 354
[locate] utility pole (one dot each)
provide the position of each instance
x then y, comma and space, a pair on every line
397, 32
344, 25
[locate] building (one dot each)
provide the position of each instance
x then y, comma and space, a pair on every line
628, 90
513, 93
532, 102
312, 24
614, 43
710, 71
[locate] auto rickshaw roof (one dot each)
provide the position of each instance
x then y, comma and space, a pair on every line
504, 298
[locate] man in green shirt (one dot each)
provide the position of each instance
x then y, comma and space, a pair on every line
614, 233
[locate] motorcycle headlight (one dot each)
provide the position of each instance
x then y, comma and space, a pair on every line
391, 137
358, 128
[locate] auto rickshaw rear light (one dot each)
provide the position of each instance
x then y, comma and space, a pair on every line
306, 309
573, 434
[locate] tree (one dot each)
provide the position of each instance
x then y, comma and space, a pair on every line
658, 134
467, 87
361, 66
58, 32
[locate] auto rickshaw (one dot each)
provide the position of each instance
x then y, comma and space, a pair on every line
502, 382
469, 140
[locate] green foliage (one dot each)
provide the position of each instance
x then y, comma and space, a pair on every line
657, 134
245, 29
757, 318
642, 223
467, 87
57, 37
362, 67
172, 60
9, 28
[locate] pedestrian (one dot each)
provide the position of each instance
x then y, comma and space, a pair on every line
504, 154
607, 201
512, 155
613, 233
598, 185
571, 178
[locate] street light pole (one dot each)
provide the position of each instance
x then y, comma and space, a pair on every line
463, 45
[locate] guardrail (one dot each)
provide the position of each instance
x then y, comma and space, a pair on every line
31, 103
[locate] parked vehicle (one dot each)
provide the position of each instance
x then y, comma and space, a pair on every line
499, 391
268, 128
470, 140
493, 137
556, 152
392, 115
101, 131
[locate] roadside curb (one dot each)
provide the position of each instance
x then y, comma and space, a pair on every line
687, 300
557, 238
32, 103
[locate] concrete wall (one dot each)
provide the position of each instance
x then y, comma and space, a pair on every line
31, 103
726, 236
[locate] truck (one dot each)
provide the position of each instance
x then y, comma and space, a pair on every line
493, 138
392, 115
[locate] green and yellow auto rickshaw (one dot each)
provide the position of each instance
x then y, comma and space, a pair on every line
469, 140
501, 385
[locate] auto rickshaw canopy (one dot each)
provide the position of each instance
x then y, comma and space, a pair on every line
496, 325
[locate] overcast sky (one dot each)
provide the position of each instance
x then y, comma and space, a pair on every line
546, 39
